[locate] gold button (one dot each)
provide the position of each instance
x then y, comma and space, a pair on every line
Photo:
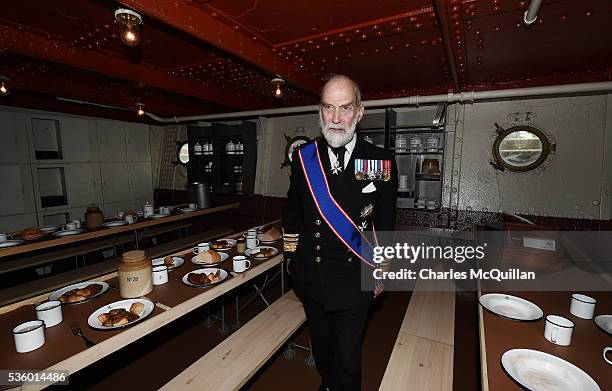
317, 247
318, 259
318, 222
317, 234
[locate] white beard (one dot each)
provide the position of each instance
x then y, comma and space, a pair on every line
335, 139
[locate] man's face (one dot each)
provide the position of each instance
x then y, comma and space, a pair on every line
338, 114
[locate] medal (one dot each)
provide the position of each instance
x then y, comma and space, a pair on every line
367, 210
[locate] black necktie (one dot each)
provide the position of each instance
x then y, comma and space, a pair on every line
339, 152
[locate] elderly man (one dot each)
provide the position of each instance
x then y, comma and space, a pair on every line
340, 187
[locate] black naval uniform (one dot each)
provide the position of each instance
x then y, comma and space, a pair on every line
325, 273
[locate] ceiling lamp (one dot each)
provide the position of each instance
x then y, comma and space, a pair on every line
129, 26
4, 89
140, 111
278, 87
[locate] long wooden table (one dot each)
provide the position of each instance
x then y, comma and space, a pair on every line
102, 232
65, 351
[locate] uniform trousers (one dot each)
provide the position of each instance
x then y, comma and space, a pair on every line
336, 338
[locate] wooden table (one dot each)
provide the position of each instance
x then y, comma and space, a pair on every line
65, 351
497, 335
102, 232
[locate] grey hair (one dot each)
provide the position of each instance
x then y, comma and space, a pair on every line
335, 76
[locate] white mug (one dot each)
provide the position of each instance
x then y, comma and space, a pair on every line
252, 241
71, 226
160, 275
240, 263
192, 206
202, 248
582, 306
120, 215
5, 237
131, 219
50, 312
29, 336
558, 330
164, 210
606, 350
77, 223
251, 232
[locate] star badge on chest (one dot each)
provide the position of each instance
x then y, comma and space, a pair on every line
336, 169
367, 210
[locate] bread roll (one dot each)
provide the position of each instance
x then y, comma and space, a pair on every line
137, 308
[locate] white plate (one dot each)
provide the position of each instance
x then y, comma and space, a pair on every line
267, 241
195, 260
539, 371
158, 216
252, 251
49, 229
115, 223
93, 321
205, 270
56, 295
187, 210
511, 307
178, 261
69, 233
11, 243
231, 242
604, 322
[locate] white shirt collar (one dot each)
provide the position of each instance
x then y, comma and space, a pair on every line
347, 155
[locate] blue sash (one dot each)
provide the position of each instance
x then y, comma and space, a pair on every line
333, 214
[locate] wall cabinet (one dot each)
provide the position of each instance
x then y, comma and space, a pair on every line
111, 140
115, 182
137, 141
79, 139
14, 145
16, 193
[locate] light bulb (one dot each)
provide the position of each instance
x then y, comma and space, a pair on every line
3, 89
130, 35
278, 87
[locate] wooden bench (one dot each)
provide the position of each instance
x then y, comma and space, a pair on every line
165, 228
234, 361
422, 358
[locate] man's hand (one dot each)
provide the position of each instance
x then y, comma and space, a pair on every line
378, 289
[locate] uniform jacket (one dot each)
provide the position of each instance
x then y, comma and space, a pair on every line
322, 268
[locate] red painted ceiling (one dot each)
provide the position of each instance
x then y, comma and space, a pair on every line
210, 56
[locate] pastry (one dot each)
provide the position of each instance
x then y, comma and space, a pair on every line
264, 252
169, 261
137, 308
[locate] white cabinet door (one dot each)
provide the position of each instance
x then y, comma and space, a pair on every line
83, 184
141, 184
115, 182
13, 133
16, 192
79, 142
138, 147
111, 140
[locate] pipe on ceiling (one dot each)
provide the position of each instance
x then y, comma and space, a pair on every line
415, 100
531, 14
